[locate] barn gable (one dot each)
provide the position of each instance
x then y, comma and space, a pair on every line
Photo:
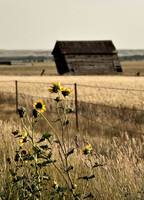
86, 57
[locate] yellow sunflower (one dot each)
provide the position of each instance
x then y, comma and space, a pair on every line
24, 134
56, 87
22, 139
24, 152
39, 105
55, 185
86, 150
66, 91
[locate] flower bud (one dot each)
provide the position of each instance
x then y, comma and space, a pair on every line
21, 112
35, 113
57, 99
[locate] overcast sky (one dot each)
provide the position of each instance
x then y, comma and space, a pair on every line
38, 24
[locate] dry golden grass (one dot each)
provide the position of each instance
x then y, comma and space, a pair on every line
121, 177
98, 93
29, 69
133, 67
35, 68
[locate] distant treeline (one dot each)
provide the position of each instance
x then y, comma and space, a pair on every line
131, 58
27, 58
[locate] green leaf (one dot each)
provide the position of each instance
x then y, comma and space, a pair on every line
69, 168
91, 177
18, 136
41, 139
83, 177
41, 156
28, 157
12, 172
41, 165
56, 120
66, 122
70, 152
45, 147
77, 196
57, 141
61, 189
18, 178
49, 155
69, 110
86, 177
44, 164
89, 196
97, 165
36, 149
47, 136
32, 165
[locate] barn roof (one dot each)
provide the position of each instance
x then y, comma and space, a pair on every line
84, 47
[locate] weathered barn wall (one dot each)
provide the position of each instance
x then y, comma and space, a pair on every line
92, 64
86, 57
61, 62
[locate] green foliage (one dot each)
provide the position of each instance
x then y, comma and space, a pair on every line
29, 176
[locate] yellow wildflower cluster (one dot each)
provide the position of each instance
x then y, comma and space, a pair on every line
58, 88
22, 139
86, 150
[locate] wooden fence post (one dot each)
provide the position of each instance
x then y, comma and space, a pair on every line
16, 89
76, 106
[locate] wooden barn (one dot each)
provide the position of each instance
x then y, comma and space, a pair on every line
5, 62
86, 57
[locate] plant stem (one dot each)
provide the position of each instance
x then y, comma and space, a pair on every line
58, 112
29, 120
61, 174
26, 128
54, 132
64, 120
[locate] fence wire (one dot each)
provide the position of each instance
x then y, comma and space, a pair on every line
111, 88
99, 114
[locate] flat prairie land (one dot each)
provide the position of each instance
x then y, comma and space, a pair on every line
35, 69
133, 67
29, 69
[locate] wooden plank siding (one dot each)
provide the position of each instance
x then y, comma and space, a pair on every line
92, 64
82, 58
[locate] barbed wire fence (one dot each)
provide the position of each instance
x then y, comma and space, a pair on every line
90, 117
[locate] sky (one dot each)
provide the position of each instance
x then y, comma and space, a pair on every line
38, 24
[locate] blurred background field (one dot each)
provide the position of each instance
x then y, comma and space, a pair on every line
130, 68
33, 62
